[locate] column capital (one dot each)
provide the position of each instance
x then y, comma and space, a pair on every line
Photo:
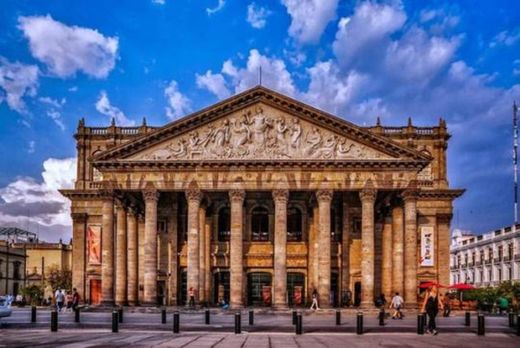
120, 204
194, 195
324, 196
368, 194
106, 194
410, 195
131, 211
150, 195
79, 217
281, 195
237, 195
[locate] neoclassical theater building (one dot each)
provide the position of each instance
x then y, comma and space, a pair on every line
259, 200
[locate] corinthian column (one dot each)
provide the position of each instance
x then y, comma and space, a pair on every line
131, 225
368, 197
386, 269
398, 250
324, 198
121, 250
280, 247
107, 251
236, 248
194, 197
410, 249
150, 247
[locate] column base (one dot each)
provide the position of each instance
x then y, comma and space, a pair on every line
149, 304
107, 303
366, 305
280, 306
412, 305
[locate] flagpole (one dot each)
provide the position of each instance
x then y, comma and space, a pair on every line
515, 159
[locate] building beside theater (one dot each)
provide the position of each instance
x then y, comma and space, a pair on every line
259, 200
12, 269
487, 259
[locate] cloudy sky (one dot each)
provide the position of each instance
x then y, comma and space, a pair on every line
162, 59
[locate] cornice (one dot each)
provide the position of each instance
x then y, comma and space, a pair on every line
440, 194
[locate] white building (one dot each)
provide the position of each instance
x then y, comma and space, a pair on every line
487, 259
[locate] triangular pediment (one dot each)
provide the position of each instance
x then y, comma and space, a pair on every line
259, 124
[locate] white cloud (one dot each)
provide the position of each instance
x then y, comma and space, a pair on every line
274, 75
217, 8
505, 38
65, 50
159, 2
256, 15
215, 83
31, 147
104, 107
73, 89
17, 80
56, 117
26, 199
309, 18
178, 104
53, 102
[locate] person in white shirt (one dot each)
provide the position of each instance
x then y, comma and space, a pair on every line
397, 304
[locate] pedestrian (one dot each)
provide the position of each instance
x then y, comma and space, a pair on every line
447, 305
314, 304
503, 304
68, 301
75, 299
191, 294
397, 303
60, 298
431, 306
381, 301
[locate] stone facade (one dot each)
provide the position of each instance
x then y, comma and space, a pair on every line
259, 200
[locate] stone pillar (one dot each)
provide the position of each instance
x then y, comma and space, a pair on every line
121, 253
280, 198
410, 249
443, 248
150, 247
173, 259
207, 258
140, 256
79, 251
236, 248
107, 251
398, 250
386, 262
202, 254
368, 197
324, 198
133, 249
194, 197
345, 246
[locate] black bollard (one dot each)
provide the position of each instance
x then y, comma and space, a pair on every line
359, 323
511, 319
33, 314
299, 323
294, 317
120, 314
206, 316
420, 324
76, 315
238, 322
115, 321
176, 322
163, 316
424, 320
251, 317
467, 321
382, 317
518, 325
481, 328
338, 317
54, 320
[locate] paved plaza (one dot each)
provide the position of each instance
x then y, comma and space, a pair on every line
144, 329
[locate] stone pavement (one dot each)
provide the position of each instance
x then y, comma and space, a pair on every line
76, 338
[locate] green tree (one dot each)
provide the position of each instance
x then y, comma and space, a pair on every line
59, 279
33, 293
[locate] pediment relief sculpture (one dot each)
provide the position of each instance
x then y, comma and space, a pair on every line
259, 132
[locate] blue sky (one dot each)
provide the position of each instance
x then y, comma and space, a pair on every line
162, 59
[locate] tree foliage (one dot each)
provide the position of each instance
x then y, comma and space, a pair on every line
59, 279
33, 293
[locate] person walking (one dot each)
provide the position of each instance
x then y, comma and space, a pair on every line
60, 298
447, 305
397, 303
68, 301
191, 294
75, 299
431, 306
314, 304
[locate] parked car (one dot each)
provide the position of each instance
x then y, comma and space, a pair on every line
5, 306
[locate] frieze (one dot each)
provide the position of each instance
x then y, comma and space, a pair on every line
260, 134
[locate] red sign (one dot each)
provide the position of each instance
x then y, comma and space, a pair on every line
266, 295
297, 297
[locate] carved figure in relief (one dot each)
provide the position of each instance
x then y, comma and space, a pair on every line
328, 150
344, 147
281, 129
221, 134
179, 151
296, 133
259, 127
313, 140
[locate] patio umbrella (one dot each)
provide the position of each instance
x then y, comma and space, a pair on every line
462, 286
426, 285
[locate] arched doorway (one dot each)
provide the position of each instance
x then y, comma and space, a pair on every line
259, 289
296, 289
